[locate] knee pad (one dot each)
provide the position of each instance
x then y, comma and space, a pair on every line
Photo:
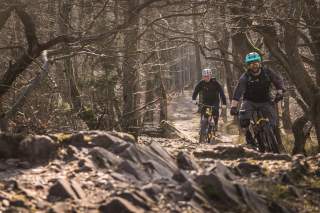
244, 123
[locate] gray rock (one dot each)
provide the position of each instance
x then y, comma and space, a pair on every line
61, 207
161, 152
40, 204
77, 140
246, 169
85, 165
152, 190
13, 162
134, 154
38, 148
9, 144
119, 205
233, 152
155, 165
24, 165
158, 170
124, 136
232, 195
186, 162
5, 202
221, 170
135, 200
3, 166
103, 158
63, 189
272, 156
230, 152
113, 144
77, 189
133, 171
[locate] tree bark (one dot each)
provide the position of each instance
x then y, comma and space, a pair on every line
286, 118
130, 71
85, 114
196, 74
300, 134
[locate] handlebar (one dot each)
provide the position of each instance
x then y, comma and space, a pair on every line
205, 105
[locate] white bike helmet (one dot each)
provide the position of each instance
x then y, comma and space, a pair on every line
206, 72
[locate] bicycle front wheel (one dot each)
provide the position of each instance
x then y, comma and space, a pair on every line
203, 133
267, 140
271, 139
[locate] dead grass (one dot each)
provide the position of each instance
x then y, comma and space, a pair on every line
288, 142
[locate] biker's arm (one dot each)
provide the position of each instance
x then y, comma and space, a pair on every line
222, 95
277, 81
239, 91
196, 90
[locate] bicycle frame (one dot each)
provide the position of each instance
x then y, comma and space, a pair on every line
207, 129
262, 132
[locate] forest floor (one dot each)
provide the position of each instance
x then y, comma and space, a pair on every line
95, 171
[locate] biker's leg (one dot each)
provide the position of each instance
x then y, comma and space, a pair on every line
244, 119
216, 116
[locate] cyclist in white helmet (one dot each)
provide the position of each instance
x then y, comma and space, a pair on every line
211, 91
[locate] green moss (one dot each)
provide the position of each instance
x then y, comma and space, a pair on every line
308, 206
272, 190
61, 137
288, 141
311, 145
89, 117
279, 191
314, 183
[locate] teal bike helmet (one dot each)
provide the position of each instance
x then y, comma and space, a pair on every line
252, 57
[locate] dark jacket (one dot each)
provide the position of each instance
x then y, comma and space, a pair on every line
257, 88
211, 92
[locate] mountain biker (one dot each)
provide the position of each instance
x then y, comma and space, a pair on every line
211, 91
254, 86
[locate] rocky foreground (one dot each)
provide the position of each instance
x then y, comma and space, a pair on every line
96, 171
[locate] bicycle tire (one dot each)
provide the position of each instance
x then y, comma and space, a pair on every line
272, 140
262, 145
210, 133
203, 133
267, 141
260, 142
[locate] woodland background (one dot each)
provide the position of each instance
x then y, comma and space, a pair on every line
115, 64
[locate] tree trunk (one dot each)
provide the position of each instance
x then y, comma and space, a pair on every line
86, 115
300, 135
286, 118
196, 74
130, 71
311, 16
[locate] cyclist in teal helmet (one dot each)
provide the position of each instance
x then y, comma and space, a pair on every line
254, 87
252, 57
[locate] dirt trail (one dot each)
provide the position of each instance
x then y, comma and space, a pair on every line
183, 114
